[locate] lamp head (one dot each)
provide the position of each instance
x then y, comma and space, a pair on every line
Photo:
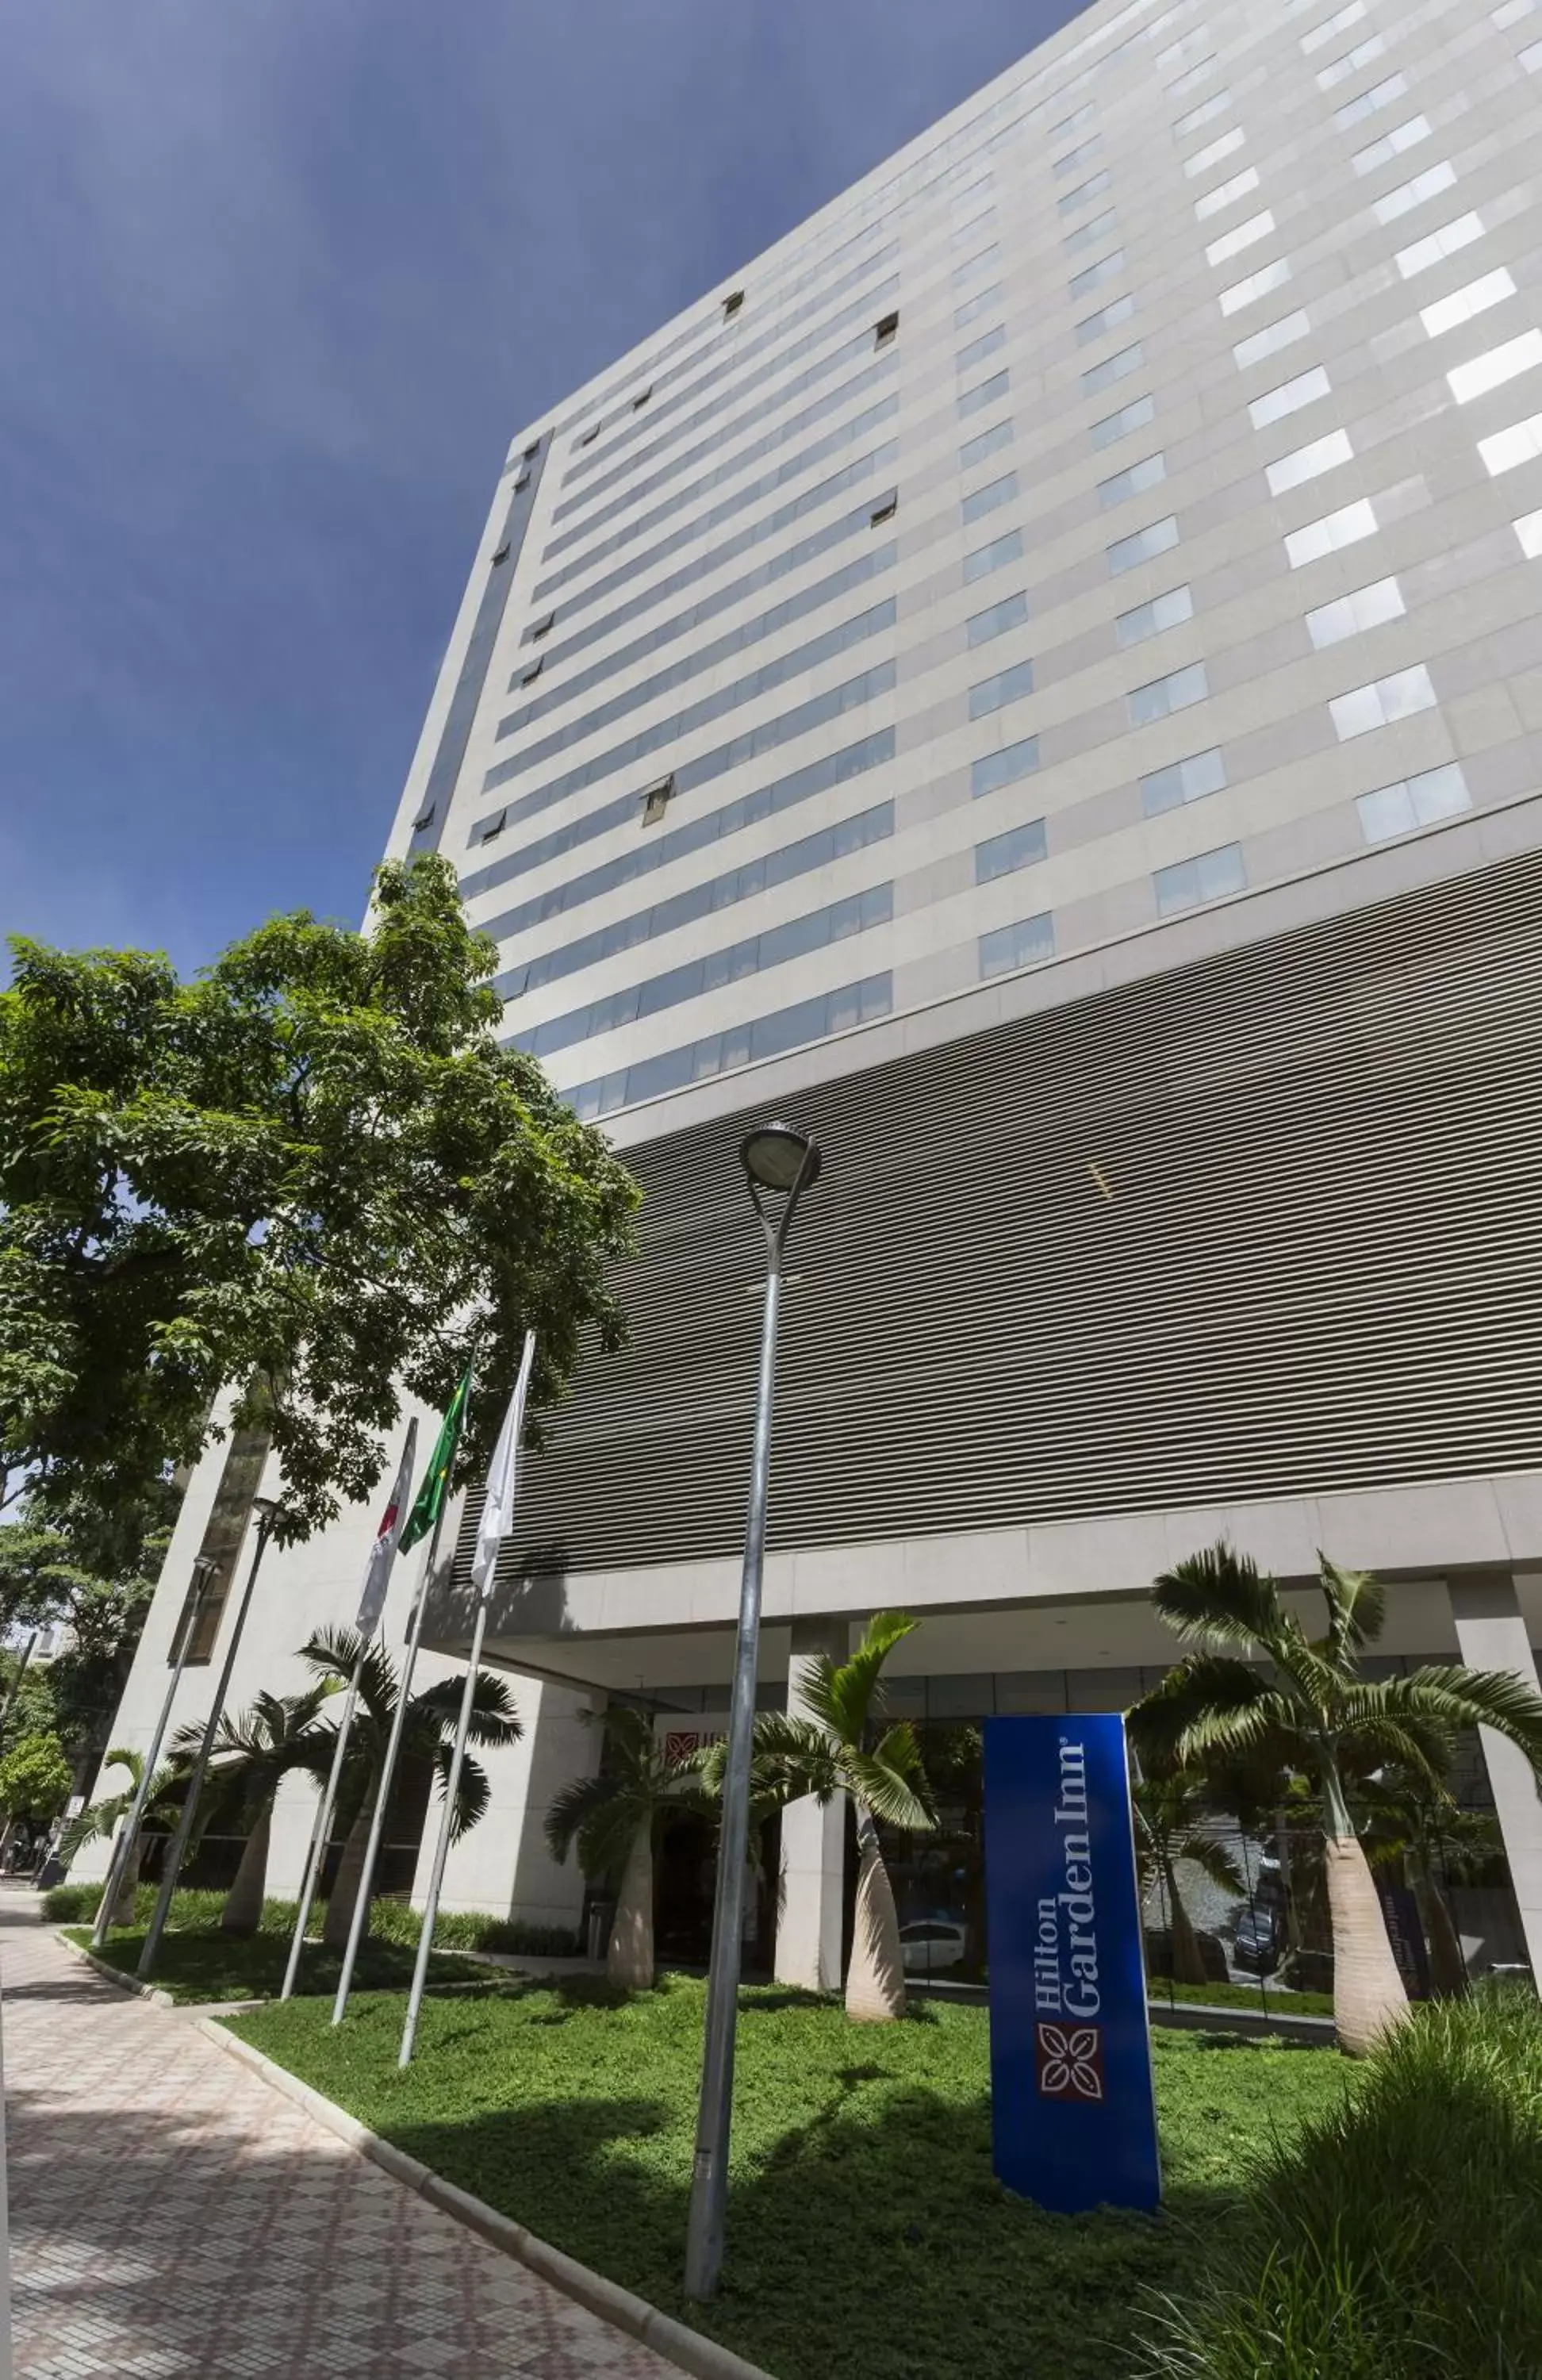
776, 1158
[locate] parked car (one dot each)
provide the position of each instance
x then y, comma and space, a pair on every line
930, 1946
1260, 1941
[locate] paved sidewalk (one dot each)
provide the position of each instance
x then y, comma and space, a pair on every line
170, 2216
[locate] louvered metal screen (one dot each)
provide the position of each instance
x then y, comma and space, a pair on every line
1321, 1267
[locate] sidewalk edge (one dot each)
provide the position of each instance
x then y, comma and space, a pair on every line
112, 1974
704, 2358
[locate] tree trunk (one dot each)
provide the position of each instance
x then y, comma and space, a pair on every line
1448, 1968
1369, 1995
345, 1884
629, 1958
1188, 1960
128, 1882
242, 1913
875, 1979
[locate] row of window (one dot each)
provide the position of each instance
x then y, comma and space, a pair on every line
741, 1045
859, 571
765, 736
753, 877
694, 978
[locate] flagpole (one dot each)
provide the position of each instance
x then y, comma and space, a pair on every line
123, 1849
317, 1855
501, 1477
382, 1795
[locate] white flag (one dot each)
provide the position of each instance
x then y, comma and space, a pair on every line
502, 1475
382, 1553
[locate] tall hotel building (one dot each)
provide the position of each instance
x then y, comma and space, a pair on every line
1037, 680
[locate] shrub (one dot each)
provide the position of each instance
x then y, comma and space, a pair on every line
394, 1921
1400, 2236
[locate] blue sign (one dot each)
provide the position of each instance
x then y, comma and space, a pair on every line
1074, 2118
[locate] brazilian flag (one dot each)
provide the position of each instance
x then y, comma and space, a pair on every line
430, 1501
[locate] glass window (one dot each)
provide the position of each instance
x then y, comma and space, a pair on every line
1192, 80
1027, 943
1150, 619
1108, 317
1289, 397
977, 349
1282, 333
1135, 416
990, 442
1459, 234
1414, 802
975, 265
1226, 194
986, 500
1258, 284
1362, 54
1203, 159
975, 229
1512, 12
1003, 854
1106, 268
1381, 94
1086, 234
1113, 368
995, 693
1521, 443
1206, 113
1009, 612
1491, 370
1391, 144
1464, 304
1334, 531
1145, 543
1244, 234
767, 1036
1165, 694
1309, 462
986, 558
1078, 156
1071, 123
1528, 530
1183, 52
1532, 60
1006, 767
1183, 781
1409, 195
971, 310
1084, 193
1381, 703
989, 392
1350, 616
1148, 473
1210, 876
1321, 35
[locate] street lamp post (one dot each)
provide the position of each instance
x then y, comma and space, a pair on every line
204, 1568
268, 1511
779, 1165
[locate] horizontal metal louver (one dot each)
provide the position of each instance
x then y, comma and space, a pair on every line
1321, 1267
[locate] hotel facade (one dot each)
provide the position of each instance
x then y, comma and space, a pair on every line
1038, 681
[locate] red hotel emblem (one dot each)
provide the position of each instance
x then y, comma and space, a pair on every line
1070, 2061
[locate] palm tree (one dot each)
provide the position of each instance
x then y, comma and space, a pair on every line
1170, 1811
1423, 1829
427, 1740
251, 1757
845, 1748
614, 1818
163, 1804
1311, 1710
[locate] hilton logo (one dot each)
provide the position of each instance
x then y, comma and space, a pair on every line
1069, 2060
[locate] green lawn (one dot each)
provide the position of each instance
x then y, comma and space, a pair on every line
1242, 1995
205, 1965
868, 2239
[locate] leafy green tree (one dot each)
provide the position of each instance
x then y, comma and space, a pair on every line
615, 1818
1417, 1825
1310, 1709
1171, 1812
100, 1818
428, 1738
35, 1779
311, 1174
848, 1745
251, 1757
94, 1573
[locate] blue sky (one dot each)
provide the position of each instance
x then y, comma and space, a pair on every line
279, 279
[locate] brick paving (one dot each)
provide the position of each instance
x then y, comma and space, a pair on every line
172, 2216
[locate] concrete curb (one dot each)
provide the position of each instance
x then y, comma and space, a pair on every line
111, 1975
687, 2349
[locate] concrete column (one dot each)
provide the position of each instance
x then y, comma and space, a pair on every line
1491, 1634
813, 1846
